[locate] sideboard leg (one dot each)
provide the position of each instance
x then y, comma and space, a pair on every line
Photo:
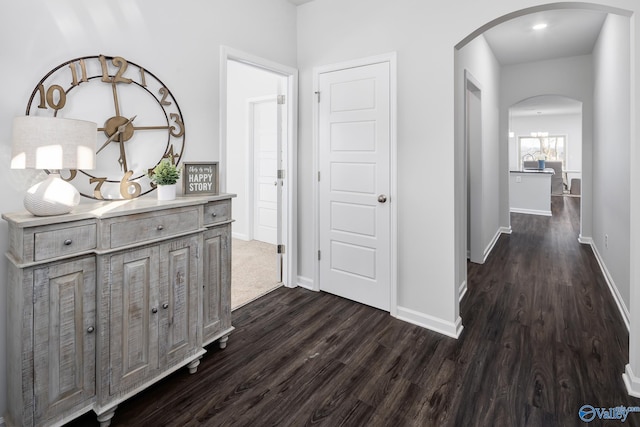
105, 418
223, 341
193, 366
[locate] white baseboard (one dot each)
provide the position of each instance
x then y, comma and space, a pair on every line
585, 240
305, 282
240, 236
506, 230
462, 289
450, 329
631, 381
490, 246
624, 311
531, 211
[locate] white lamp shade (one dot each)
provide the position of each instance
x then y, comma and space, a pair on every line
53, 143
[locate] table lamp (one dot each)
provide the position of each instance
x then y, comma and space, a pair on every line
52, 143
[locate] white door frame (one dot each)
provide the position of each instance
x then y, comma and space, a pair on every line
290, 152
393, 170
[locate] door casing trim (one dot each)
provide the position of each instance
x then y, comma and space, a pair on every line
290, 181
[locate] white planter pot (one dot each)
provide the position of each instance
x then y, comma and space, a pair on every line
167, 192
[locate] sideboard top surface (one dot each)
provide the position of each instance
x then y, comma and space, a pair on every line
109, 209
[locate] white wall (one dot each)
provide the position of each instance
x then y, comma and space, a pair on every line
570, 77
244, 83
611, 145
424, 36
569, 125
477, 59
178, 41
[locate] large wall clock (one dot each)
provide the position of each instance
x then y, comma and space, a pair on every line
139, 121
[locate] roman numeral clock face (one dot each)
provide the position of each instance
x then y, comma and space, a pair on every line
139, 121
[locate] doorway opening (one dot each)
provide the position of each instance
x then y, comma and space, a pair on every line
257, 141
549, 128
473, 170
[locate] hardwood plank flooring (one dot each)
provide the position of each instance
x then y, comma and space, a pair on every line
542, 337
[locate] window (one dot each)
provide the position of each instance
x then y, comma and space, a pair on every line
553, 147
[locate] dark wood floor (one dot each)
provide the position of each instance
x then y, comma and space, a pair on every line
542, 337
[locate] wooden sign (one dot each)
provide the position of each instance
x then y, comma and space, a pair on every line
199, 178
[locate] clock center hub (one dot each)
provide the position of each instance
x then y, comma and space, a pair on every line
112, 124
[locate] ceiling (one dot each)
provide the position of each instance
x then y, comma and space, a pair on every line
546, 105
299, 2
568, 33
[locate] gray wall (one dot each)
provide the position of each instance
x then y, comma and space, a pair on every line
611, 153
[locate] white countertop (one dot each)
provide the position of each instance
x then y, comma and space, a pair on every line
550, 171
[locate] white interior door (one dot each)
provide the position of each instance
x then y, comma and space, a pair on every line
265, 146
354, 183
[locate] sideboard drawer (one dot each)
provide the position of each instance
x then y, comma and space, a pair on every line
64, 241
217, 211
144, 227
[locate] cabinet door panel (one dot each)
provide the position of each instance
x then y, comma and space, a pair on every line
64, 349
134, 324
216, 282
179, 300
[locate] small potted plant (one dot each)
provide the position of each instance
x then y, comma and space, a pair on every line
165, 175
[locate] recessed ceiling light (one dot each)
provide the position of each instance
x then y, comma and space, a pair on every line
540, 26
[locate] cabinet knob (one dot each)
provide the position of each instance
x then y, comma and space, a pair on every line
165, 305
68, 242
154, 310
213, 214
90, 329
160, 227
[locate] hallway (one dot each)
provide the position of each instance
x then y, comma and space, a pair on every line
542, 338
553, 337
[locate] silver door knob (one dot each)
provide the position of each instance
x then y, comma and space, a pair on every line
382, 198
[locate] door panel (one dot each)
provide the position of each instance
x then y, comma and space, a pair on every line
265, 143
64, 358
134, 325
178, 304
354, 150
216, 272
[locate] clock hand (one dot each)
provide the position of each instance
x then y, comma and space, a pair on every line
118, 131
123, 157
115, 96
150, 127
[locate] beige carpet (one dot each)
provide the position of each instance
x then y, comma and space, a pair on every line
253, 271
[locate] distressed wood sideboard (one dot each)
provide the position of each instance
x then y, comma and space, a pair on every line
109, 299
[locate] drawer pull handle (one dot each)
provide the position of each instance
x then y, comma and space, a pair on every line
154, 310
165, 305
90, 329
160, 227
68, 242
213, 214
